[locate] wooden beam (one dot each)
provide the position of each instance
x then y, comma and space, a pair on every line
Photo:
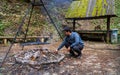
108, 30
90, 18
74, 24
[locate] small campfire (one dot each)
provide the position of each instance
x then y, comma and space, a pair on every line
37, 57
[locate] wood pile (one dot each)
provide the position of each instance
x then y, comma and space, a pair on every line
37, 57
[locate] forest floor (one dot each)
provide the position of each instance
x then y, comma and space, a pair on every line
98, 58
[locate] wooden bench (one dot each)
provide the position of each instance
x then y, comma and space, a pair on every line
93, 34
5, 39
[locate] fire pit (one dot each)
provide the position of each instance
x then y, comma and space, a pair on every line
37, 57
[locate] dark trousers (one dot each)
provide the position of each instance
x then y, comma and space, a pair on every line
76, 50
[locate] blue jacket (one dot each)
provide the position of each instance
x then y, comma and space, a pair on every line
73, 39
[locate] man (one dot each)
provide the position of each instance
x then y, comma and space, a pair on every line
72, 42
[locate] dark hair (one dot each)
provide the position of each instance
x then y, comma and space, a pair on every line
67, 29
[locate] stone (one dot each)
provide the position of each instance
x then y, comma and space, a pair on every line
54, 74
118, 59
97, 66
111, 72
111, 64
90, 73
77, 62
62, 70
69, 67
46, 73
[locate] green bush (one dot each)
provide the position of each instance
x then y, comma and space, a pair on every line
117, 6
115, 22
2, 27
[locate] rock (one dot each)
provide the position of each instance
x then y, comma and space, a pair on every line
90, 73
77, 62
62, 70
69, 67
111, 72
2, 69
28, 55
118, 59
36, 54
46, 73
34, 73
87, 63
97, 66
111, 64
54, 74
95, 72
1, 58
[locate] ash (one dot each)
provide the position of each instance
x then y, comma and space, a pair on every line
37, 57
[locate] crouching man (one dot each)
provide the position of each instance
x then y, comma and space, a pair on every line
72, 42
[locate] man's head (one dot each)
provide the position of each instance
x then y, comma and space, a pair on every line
67, 31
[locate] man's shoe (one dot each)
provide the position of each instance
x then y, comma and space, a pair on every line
70, 55
79, 56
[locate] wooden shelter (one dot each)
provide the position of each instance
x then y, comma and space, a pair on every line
91, 9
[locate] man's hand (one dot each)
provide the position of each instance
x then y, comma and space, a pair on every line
56, 51
68, 49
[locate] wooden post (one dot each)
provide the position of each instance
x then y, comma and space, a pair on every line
5, 41
108, 30
74, 24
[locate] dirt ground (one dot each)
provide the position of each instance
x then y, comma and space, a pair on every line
97, 59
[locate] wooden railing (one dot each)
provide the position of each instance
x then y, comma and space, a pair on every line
6, 38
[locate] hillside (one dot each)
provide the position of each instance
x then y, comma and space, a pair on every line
12, 12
